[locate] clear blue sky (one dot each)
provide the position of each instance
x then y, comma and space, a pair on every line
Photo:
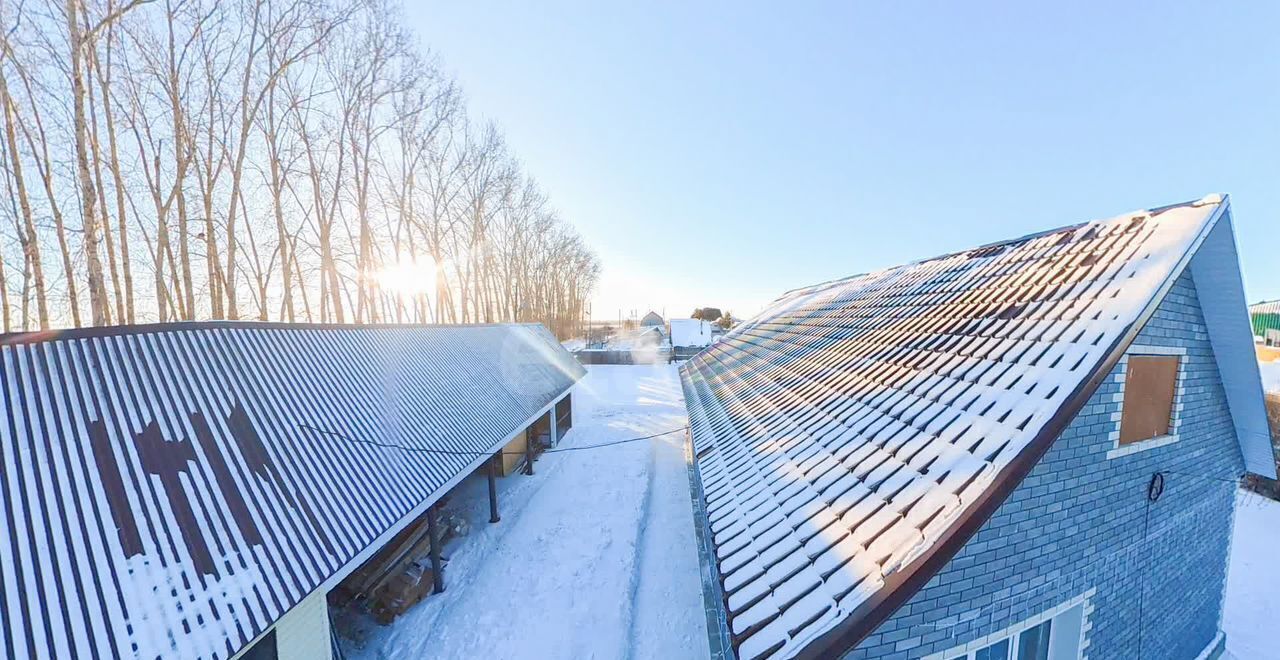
721, 153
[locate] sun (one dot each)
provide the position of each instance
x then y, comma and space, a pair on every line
408, 278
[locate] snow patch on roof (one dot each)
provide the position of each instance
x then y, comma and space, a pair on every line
690, 332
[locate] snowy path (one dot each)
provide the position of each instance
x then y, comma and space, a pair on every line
595, 555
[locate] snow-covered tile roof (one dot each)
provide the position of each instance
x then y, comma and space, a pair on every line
851, 432
170, 491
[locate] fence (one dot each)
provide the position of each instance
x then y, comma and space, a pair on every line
623, 356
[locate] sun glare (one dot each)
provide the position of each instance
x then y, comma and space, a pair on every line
408, 278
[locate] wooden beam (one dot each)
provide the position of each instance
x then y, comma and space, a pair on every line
493, 488
531, 437
437, 566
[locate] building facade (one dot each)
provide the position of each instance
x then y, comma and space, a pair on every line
1266, 322
1079, 542
1026, 450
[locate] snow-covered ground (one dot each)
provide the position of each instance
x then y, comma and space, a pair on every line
1252, 612
1270, 376
595, 554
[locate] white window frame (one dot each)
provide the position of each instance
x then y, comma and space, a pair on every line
1122, 368
1014, 632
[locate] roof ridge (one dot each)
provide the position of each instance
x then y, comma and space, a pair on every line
91, 332
1212, 198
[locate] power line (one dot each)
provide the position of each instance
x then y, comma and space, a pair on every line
454, 452
1234, 481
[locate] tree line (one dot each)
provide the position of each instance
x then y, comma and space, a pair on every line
285, 160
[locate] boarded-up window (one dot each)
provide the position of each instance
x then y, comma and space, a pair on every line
1149, 386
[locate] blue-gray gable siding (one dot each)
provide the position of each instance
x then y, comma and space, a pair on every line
1077, 523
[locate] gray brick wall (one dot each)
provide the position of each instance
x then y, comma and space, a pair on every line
1081, 522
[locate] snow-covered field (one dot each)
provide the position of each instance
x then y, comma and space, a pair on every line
595, 554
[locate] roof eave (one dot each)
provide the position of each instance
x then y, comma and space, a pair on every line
1216, 268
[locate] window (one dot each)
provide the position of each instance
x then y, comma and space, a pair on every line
1053, 635
1033, 643
1150, 379
1149, 387
1030, 644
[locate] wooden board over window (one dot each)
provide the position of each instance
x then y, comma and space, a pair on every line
1149, 386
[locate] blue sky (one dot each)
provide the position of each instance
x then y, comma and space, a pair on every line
722, 153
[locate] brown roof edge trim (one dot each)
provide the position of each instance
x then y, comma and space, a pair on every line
901, 586
37, 336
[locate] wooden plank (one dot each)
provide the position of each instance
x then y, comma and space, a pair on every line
1149, 385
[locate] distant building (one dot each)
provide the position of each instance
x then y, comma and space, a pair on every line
688, 336
1025, 450
652, 319
1266, 322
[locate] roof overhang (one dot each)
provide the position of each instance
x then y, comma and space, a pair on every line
1215, 269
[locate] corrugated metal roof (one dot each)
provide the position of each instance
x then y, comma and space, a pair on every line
854, 430
1269, 307
1265, 316
170, 491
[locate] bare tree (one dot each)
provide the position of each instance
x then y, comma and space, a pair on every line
27, 231
279, 158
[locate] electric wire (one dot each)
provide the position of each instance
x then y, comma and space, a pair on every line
1146, 536
454, 452
1165, 526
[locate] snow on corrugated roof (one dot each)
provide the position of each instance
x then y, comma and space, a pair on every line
172, 490
845, 432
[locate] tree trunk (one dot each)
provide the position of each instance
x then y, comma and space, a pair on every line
97, 289
126, 266
27, 236
108, 240
4, 298
277, 207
